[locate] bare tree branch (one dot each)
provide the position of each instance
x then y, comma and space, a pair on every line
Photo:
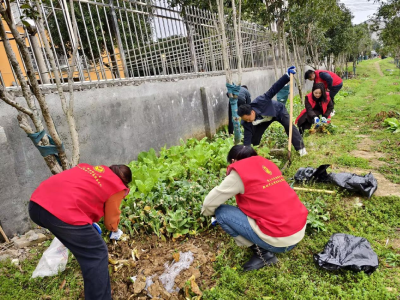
33, 114
10, 100
70, 112
236, 28
221, 29
35, 86
66, 107
24, 124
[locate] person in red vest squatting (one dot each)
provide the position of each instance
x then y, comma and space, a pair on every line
318, 104
332, 82
70, 203
269, 217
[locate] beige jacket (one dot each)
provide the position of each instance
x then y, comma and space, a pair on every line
231, 186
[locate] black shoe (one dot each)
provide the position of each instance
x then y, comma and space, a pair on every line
260, 258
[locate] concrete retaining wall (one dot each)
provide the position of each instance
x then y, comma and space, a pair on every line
115, 123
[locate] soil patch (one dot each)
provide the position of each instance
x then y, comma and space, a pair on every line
149, 256
352, 202
395, 244
372, 157
365, 150
378, 69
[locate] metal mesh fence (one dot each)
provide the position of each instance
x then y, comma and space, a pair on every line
133, 39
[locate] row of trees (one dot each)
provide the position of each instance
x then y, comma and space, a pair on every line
389, 14
312, 32
309, 32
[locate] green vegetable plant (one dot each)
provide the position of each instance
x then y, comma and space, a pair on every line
169, 187
317, 216
178, 223
392, 125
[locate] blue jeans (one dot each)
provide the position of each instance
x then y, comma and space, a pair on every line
234, 222
86, 245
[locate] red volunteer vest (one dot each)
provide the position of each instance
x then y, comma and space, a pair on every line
77, 196
313, 103
268, 198
336, 80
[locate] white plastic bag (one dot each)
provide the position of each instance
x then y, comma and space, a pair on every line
54, 260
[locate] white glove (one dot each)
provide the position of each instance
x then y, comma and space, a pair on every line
316, 120
116, 235
323, 120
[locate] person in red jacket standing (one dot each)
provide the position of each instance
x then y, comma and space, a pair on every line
332, 82
70, 203
269, 217
318, 104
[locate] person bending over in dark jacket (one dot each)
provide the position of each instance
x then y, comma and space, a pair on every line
263, 111
244, 97
318, 103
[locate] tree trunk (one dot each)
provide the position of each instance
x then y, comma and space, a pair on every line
234, 98
35, 87
70, 110
298, 77
32, 111
224, 47
280, 48
67, 107
236, 28
284, 45
274, 57
44, 73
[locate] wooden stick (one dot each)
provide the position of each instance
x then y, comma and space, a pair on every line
4, 235
291, 116
313, 190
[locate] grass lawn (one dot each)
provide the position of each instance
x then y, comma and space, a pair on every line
296, 276
360, 143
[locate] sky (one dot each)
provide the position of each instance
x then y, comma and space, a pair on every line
362, 10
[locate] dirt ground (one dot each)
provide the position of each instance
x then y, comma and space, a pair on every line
365, 149
148, 257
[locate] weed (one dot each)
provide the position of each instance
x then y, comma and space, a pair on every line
392, 259
317, 216
350, 161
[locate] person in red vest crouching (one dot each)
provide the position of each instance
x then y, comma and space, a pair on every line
318, 104
69, 203
332, 82
269, 217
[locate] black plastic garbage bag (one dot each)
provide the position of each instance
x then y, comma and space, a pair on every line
311, 174
366, 185
344, 251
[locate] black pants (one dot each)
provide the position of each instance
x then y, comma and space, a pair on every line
283, 117
86, 245
304, 126
334, 90
230, 124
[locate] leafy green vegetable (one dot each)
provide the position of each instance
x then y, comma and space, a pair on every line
393, 125
168, 189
